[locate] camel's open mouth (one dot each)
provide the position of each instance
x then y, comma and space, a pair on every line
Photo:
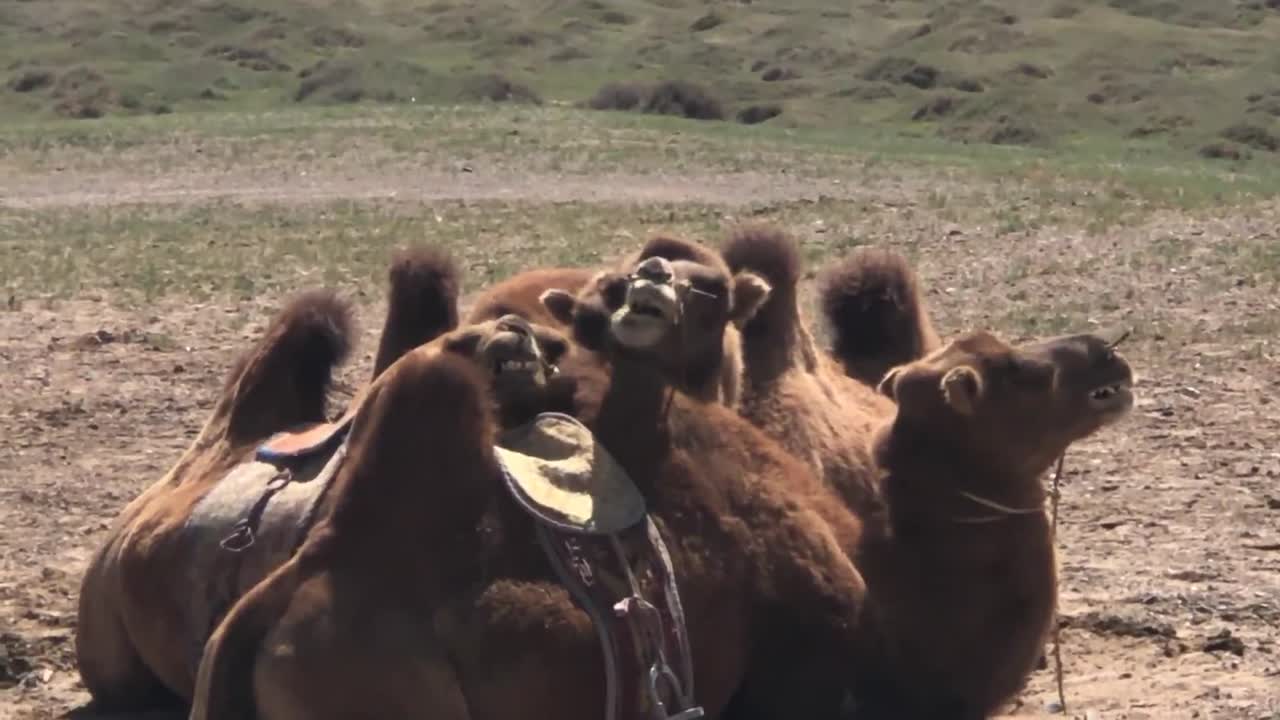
650, 311
515, 359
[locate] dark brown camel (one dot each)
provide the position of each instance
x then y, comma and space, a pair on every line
152, 590
476, 625
960, 568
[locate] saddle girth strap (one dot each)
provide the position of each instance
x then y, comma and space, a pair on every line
648, 663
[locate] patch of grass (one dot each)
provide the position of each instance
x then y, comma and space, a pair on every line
1047, 73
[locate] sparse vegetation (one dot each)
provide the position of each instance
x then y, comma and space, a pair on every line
678, 98
1064, 70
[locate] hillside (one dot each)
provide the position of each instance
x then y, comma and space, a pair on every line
1201, 74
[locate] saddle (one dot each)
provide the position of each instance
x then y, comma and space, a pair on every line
595, 529
291, 446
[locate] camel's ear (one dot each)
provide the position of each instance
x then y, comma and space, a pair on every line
962, 387
888, 385
560, 303
465, 343
750, 291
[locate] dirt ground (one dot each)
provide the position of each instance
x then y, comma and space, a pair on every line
1170, 523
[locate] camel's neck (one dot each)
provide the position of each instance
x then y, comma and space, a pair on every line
953, 583
941, 502
407, 483
776, 340
701, 378
632, 422
929, 455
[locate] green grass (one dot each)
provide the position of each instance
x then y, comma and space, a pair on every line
1036, 72
585, 143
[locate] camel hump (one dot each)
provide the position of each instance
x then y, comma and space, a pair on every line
305, 441
557, 472
766, 250
285, 379
422, 302
876, 312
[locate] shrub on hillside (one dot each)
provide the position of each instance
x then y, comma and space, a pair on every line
755, 114
685, 99
30, 80
706, 22
618, 96
671, 97
498, 88
1223, 151
1258, 138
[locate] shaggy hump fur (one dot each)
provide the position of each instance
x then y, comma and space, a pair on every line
765, 250
878, 318
422, 302
285, 379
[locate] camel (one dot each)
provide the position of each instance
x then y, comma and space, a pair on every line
960, 568
709, 356
719, 372
186, 548
796, 392
992, 630
518, 294
876, 312
477, 624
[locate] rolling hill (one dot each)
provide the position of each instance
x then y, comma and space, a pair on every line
1203, 75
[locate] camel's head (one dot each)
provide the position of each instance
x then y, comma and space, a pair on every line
1017, 406
520, 357
675, 310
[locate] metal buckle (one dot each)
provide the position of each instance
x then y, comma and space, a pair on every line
661, 669
240, 539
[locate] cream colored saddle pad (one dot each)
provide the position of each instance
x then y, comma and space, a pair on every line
559, 473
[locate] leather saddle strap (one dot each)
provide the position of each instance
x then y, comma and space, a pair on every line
577, 574
676, 633
648, 672
659, 631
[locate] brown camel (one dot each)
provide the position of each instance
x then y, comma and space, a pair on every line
475, 624
795, 391
642, 324
959, 565
709, 356
173, 561
960, 568
876, 311
718, 371
518, 294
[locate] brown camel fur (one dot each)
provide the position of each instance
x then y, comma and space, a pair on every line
877, 314
701, 267
422, 302
793, 390
518, 294
151, 589
646, 349
960, 568
129, 640
476, 625
709, 357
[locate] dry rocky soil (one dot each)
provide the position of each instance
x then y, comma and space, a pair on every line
1170, 526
